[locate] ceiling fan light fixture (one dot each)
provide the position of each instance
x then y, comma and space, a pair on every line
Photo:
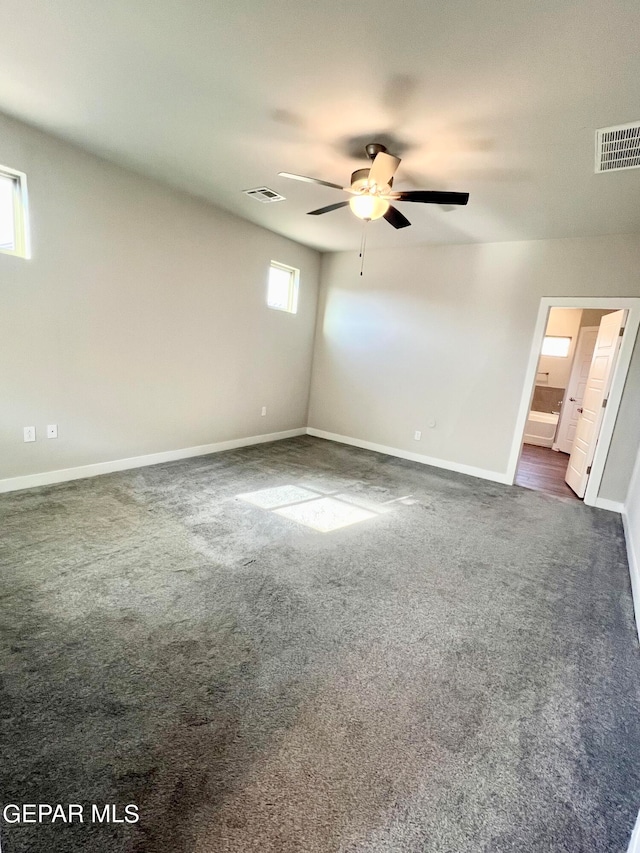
367, 206
371, 191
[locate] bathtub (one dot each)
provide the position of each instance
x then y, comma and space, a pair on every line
541, 428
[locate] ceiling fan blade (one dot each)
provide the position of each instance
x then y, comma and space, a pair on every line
383, 169
310, 180
395, 218
328, 208
431, 197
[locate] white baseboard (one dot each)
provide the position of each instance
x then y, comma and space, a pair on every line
634, 572
46, 478
496, 476
634, 844
612, 506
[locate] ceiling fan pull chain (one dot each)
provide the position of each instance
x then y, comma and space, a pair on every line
363, 244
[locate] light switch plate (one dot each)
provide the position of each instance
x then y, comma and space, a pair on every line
52, 430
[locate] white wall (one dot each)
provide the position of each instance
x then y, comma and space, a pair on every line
445, 332
592, 316
563, 322
632, 530
140, 324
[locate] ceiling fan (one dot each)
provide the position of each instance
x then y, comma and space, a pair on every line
371, 190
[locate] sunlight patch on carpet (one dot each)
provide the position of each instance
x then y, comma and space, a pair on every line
325, 514
278, 496
315, 509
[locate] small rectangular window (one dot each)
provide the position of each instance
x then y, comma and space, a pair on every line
282, 292
14, 224
555, 345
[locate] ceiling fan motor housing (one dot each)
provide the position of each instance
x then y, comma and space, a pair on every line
360, 178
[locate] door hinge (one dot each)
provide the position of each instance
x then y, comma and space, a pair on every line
589, 470
622, 328
604, 403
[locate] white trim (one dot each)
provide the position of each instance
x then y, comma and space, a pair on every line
484, 474
612, 506
632, 538
292, 290
634, 572
632, 305
21, 230
634, 844
29, 481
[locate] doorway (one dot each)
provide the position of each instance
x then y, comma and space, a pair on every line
544, 470
578, 363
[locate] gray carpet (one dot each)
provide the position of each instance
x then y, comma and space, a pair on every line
458, 671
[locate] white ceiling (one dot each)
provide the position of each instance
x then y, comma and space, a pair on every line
500, 99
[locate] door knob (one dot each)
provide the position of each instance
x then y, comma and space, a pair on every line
580, 409
572, 399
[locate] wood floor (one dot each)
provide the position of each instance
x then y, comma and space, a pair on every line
543, 470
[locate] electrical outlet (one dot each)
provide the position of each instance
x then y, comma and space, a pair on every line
52, 430
264, 411
30, 433
417, 435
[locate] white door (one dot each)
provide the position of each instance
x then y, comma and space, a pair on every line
595, 396
574, 395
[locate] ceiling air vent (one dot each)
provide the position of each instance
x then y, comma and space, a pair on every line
263, 194
618, 147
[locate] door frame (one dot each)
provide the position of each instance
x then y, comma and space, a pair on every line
632, 305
